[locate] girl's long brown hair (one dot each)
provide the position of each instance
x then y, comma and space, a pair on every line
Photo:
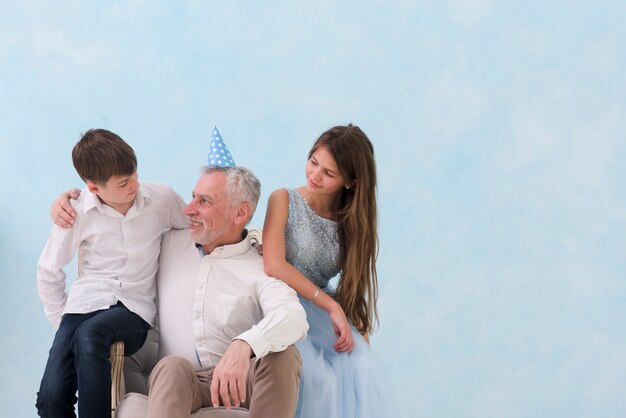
357, 291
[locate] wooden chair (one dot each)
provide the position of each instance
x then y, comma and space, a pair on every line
129, 377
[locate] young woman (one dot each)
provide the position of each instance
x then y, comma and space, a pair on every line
313, 233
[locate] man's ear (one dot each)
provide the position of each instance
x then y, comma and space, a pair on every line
93, 187
243, 214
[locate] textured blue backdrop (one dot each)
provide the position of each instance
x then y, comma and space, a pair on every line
499, 131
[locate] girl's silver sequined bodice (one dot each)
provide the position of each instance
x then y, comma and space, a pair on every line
311, 243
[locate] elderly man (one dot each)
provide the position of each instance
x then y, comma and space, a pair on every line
226, 328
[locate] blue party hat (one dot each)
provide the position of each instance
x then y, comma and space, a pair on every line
219, 156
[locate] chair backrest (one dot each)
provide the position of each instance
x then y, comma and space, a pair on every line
137, 367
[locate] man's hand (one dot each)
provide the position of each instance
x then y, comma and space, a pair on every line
229, 376
61, 212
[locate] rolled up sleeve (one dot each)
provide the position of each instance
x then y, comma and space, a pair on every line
284, 320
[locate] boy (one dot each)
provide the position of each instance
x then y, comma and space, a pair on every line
117, 232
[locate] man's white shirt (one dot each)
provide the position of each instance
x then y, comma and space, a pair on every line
207, 301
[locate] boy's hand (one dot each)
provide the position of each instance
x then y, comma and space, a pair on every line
61, 212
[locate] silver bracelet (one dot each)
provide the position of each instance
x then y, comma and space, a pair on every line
317, 292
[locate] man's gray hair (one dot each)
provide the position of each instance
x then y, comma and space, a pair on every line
242, 184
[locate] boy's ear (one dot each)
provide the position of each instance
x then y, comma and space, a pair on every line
93, 187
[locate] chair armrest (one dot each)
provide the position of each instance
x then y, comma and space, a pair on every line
117, 375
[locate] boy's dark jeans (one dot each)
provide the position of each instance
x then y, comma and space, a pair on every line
79, 360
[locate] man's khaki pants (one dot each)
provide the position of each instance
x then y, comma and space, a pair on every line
176, 389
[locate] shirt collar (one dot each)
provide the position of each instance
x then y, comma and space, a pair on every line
226, 251
92, 201
143, 197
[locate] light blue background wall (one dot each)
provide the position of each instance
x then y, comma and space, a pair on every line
499, 131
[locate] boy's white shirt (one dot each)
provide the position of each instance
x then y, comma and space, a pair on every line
119, 254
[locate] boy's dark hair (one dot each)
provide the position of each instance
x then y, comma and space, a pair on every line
101, 154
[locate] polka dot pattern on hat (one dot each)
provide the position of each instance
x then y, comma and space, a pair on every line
219, 156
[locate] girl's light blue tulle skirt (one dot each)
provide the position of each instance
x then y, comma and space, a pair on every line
340, 385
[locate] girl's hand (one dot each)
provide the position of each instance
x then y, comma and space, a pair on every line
256, 238
61, 212
343, 330
258, 247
